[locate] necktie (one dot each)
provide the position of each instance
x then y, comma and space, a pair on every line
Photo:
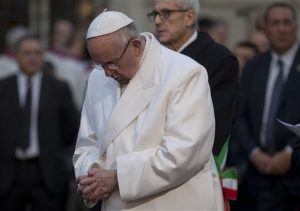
273, 109
26, 119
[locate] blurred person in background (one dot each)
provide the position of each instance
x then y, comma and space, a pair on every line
62, 38
38, 128
258, 36
244, 51
8, 64
259, 39
217, 29
270, 90
69, 67
176, 27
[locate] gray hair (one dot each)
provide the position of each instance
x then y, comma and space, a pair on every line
14, 34
126, 33
190, 4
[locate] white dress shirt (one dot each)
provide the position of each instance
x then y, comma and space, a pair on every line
33, 150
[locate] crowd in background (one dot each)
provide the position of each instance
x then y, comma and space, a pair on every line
66, 60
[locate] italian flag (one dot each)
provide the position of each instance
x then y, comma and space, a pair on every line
227, 176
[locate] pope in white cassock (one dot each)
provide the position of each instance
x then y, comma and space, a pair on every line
147, 125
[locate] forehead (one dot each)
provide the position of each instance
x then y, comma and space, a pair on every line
102, 47
279, 13
29, 44
165, 4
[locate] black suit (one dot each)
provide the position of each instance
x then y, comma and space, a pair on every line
222, 69
57, 130
260, 191
296, 158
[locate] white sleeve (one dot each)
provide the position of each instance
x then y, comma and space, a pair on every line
86, 152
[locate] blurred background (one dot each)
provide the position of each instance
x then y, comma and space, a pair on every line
239, 16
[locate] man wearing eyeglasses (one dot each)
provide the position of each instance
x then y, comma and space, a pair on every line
176, 28
141, 145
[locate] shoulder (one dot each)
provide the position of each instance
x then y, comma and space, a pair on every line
97, 80
257, 66
53, 81
258, 62
8, 81
179, 67
210, 45
58, 86
209, 53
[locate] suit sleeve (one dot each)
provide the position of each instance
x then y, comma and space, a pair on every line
241, 131
224, 91
296, 158
70, 116
185, 146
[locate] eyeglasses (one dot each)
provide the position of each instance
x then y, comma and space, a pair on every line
163, 14
113, 64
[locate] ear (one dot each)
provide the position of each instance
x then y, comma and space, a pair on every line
190, 18
137, 44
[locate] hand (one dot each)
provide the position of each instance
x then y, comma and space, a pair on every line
98, 185
261, 160
86, 186
281, 162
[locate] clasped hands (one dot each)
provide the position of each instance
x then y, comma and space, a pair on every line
277, 164
97, 185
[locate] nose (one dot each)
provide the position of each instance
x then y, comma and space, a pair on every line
108, 72
157, 19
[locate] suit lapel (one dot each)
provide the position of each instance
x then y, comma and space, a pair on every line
136, 97
294, 74
203, 40
261, 85
44, 92
15, 93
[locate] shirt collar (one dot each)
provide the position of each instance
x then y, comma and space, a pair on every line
189, 41
24, 77
287, 57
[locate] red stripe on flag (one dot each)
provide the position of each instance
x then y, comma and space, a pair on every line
230, 194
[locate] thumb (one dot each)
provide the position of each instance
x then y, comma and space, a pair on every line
92, 172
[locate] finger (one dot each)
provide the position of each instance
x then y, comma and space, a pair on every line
106, 195
80, 189
92, 171
87, 181
81, 177
95, 195
89, 189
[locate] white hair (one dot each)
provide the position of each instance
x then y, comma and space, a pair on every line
190, 5
123, 35
14, 34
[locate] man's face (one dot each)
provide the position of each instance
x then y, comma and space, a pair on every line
281, 29
30, 56
118, 62
171, 31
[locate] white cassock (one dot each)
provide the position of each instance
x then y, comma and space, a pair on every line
158, 135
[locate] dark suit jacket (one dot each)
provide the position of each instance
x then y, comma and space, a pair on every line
57, 129
296, 158
222, 69
252, 99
